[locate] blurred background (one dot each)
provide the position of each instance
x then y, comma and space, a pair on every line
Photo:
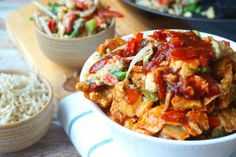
56, 143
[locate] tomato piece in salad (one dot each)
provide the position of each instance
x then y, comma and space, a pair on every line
160, 36
70, 22
132, 95
110, 79
133, 45
97, 66
52, 26
184, 53
81, 5
175, 117
214, 122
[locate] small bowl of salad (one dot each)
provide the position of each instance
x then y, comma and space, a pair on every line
67, 31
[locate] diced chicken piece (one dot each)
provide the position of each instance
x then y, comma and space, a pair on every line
234, 78
197, 122
176, 64
228, 119
150, 84
137, 69
233, 58
208, 100
174, 132
199, 84
224, 71
83, 86
110, 44
189, 67
220, 49
143, 108
120, 105
181, 103
171, 78
152, 121
167, 101
226, 100
130, 123
193, 129
200, 118
102, 98
138, 77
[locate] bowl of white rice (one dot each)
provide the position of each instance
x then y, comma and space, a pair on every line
25, 109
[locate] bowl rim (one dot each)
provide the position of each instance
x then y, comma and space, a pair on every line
111, 26
44, 107
151, 138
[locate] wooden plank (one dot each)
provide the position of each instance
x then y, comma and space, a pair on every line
22, 33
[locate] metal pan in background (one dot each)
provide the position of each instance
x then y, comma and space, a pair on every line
219, 7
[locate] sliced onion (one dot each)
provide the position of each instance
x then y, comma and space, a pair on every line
44, 9
45, 26
119, 48
138, 57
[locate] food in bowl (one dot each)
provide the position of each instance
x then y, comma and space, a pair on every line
170, 84
74, 18
185, 8
21, 97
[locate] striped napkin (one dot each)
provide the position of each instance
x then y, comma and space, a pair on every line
88, 133
90, 136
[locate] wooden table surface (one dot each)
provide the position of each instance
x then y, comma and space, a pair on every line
55, 143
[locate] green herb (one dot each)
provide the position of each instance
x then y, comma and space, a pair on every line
120, 75
74, 33
190, 8
198, 9
192, 1
203, 69
152, 97
53, 7
31, 18
91, 25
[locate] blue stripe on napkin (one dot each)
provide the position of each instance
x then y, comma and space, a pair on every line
76, 118
99, 144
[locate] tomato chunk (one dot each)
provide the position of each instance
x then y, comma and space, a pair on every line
97, 66
214, 122
80, 4
160, 36
52, 26
70, 22
163, 1
133, 45
161, 88
212, 85
110, 79
132, 95
174, 116
183, 53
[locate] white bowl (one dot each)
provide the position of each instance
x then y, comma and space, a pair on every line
140, 145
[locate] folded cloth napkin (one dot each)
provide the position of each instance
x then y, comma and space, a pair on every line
88, 133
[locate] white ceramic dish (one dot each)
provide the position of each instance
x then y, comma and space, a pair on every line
140, 145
